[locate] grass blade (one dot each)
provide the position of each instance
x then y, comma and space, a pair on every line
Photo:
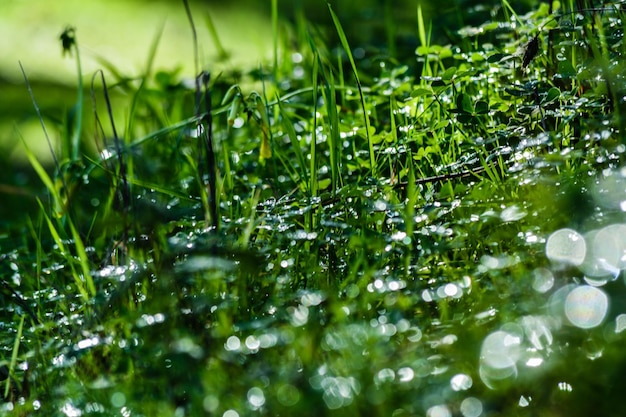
295, 144
16, 348
346, 47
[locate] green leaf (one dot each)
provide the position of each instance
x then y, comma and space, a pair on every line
441, 124
464, 103
445, 52
517, 92
477, 57
553, 94
422, 50
496, 58
448, 74
482, 107
324, 184
486, 27
418, 92
370, 131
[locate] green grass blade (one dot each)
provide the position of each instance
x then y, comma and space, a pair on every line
334, 138
45, 178
287, 124
421, 28
313, 148
83, 260
16, 348
53, 231
507, 7
64, 252
346, 47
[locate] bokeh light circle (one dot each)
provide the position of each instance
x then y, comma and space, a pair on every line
586, 306
566, 246
471, 407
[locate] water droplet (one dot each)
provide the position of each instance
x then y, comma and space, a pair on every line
405, 374
118, 400
232, 343
620, 323
512, 213
543, 280
439, 411
256, 397
461, 382
385, 375
210, 403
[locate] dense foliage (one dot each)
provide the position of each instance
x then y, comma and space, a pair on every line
338, 233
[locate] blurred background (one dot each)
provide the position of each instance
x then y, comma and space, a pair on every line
118, 35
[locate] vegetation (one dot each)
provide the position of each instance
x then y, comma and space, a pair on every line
335, 233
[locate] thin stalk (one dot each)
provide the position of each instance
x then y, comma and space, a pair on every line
68, 39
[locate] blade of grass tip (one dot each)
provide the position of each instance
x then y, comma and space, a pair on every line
16, 348
329, 98
346, 47
424, 39
421, 28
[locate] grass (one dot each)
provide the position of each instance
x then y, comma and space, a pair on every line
317, 238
